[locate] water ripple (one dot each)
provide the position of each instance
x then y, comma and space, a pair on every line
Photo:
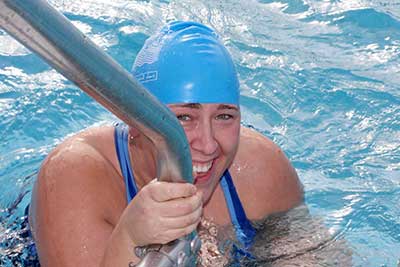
320, 78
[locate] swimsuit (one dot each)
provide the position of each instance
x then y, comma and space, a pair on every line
243, 228
244, 231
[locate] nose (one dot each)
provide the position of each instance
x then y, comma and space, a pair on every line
204, 139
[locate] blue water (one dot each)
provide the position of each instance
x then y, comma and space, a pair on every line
321, 78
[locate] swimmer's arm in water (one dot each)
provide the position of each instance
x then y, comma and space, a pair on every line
287, 234
295, 238
75, 214
81, 217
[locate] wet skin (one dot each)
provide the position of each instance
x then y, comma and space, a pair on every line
80, 216
213, 133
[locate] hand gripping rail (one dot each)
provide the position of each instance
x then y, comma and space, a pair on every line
47, 32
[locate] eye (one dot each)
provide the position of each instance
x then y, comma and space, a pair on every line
224, 117
183, 117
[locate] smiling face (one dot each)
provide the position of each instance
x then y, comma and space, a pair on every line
213, 132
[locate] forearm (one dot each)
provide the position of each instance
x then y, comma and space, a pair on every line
120, 250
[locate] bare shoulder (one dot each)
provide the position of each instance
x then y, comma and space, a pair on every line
267, 181
76, 173
78, 197
82, 151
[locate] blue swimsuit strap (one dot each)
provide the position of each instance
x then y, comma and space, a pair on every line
244, 230
121, 145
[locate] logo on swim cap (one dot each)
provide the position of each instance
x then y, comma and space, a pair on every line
186, 63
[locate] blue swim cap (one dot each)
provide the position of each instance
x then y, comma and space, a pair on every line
186, 63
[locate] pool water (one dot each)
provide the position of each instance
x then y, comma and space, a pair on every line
320, 78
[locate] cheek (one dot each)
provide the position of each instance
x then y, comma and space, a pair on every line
191, 130
229, 139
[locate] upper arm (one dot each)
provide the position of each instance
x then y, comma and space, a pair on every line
280, 180
72, 208
272, 182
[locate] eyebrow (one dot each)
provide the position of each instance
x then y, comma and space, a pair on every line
224, 106
189, 105
198, 106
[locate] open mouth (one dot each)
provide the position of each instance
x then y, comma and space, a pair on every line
202, 168
201, 171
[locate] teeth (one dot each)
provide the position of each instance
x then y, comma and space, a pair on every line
202, 167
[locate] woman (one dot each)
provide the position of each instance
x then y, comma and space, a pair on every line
85, 211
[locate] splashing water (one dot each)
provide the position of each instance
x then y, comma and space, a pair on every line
320, 78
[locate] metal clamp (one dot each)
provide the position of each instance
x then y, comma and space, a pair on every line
178, 253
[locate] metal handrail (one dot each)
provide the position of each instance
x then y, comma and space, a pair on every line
44, 30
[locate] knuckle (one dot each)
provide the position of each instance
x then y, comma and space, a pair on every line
188, 207
189, 188
145, 191
195, 217
189, 220
197, 205
185, 207
170, 192
199, 198
153, 187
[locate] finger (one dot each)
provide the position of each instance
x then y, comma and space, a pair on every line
183, 221
173, 234
181, 206
164, 191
